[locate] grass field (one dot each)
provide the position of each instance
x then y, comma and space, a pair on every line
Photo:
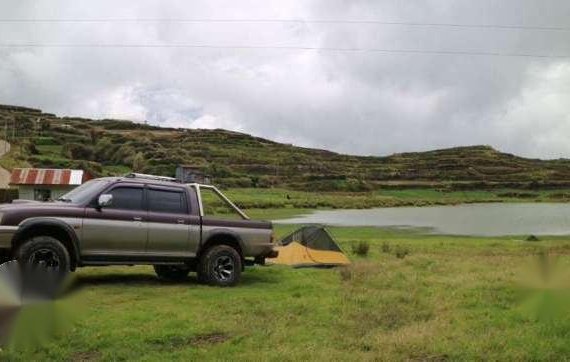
274, 198
414, 297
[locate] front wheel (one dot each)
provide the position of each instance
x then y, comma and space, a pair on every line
44, 252
171, 273
45, 262
220, 265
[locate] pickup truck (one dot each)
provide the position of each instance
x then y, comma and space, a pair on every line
137, 219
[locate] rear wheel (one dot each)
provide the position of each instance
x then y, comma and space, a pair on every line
172, 273
220, 265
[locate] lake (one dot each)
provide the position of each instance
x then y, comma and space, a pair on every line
472, 219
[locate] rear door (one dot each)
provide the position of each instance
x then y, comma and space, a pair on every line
119, 229
172, 230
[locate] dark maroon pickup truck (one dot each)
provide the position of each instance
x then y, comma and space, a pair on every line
138, 219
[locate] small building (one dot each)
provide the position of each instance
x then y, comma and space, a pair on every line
42, 184
188, 174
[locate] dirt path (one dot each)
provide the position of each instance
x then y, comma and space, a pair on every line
4, 174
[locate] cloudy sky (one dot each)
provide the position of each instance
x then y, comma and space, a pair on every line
252, 76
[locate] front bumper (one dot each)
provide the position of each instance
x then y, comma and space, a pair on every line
6, 235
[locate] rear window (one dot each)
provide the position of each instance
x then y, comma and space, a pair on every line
169, 201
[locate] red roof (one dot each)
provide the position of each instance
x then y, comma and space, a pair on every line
43, 176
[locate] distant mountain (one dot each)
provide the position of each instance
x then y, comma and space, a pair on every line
234, 159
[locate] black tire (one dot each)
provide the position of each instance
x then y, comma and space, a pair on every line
221, 266
5, 257
44, 252
172, 273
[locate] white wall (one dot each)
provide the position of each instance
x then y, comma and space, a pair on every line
26, 192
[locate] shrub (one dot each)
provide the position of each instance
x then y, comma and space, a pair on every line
124, 155
401, 252
532, 238
78, 151
345, 273
361, 248
386, 247
139, 162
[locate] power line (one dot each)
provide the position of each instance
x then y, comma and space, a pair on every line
300, 48
289, 21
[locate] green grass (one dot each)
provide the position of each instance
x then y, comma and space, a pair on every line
249, 198
450, 298
50, 149
500, 195
13, 159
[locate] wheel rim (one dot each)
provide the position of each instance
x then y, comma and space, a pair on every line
45, 259
224, 267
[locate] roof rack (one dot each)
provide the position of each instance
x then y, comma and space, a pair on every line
151, 177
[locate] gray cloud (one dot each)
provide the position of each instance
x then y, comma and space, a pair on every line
355, 102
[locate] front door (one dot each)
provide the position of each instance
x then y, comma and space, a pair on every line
172, 231
118, 230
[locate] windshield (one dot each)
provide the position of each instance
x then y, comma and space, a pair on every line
84, 192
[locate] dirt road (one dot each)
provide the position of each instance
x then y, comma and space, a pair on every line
4, 174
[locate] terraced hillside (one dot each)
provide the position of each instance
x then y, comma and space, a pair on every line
107, 147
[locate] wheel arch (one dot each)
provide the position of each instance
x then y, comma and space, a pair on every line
49, 227
223, 237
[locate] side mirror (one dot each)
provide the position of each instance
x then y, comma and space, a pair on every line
105, 200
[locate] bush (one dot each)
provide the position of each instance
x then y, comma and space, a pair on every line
386, 247
77, 151
139, 162
361, 248
124, 155
345, 273
30, 148
401, 252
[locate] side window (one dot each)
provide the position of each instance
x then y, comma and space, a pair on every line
167, 201
127, 198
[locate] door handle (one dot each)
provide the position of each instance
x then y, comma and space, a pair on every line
137, 218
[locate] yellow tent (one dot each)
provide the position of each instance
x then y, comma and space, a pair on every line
310, 246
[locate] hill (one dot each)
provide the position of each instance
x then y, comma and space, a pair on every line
108, 147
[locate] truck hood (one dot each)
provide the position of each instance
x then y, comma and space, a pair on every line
20, 204
14, 214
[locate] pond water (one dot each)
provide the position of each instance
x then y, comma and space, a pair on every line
472, 219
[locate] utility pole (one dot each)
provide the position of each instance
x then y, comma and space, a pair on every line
5, 134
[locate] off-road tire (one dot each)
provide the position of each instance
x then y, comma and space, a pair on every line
172, 273
46, 249
220, 265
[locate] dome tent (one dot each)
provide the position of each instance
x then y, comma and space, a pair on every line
310, 246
